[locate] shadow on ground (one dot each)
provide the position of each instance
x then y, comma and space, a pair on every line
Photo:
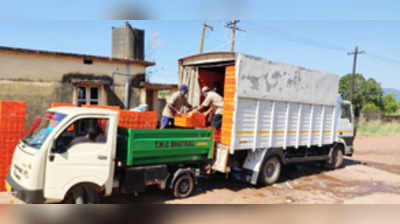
221, 181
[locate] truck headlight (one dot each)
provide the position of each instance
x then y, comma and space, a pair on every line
25, 174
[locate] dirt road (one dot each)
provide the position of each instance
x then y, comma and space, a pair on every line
372, 175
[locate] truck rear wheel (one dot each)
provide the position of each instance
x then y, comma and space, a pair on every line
270, 171
183, 186
81, 195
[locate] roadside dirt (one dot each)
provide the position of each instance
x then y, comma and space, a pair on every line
371, 176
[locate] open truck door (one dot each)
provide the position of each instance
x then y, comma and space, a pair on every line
79, 160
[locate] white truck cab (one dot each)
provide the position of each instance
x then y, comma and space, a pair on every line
45, 170
345, 126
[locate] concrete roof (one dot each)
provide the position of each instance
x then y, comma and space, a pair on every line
83, 56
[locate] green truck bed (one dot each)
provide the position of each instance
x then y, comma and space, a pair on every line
148, 147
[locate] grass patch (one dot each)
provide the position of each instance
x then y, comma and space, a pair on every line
378, 128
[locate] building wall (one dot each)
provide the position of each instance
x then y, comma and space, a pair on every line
37, 95
44, 68
38, 80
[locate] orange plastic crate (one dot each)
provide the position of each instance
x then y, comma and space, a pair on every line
12, 109
137, 120
184, 120
198, 120
12, 124
148, 120
229, 94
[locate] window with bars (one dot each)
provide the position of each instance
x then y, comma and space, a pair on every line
88, 95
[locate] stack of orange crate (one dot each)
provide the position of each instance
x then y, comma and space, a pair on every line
229, 95
196, 120
131, 119
147, 120
137, 120
12, 126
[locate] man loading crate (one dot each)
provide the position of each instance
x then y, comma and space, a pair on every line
216, 103
174, 106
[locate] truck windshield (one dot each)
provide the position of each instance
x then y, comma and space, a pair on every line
40, 129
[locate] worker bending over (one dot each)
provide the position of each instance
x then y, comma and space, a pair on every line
174, 107
216, 104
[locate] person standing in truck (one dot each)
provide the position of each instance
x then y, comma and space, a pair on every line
216, 103
174, 107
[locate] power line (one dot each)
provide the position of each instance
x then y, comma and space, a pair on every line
302, 39
234, 28
317, 44
385, 59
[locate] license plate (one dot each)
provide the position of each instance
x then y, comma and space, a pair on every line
8, 187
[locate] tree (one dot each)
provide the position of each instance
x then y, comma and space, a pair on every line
370, 107
390, 104
365, 91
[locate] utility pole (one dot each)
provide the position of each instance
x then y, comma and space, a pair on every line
203, 32
355, 53
233, 27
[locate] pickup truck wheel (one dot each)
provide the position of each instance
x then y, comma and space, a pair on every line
81, 195
270, 171
183, 186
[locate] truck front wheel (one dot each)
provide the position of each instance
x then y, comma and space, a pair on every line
183, 186
81, 195
270, 171
336, 159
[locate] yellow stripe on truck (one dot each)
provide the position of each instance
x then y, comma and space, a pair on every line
245, 132
202, 143
345, 131
289, 132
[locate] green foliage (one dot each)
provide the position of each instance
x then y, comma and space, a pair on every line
370, 107
365, 91
390, 104
377, 128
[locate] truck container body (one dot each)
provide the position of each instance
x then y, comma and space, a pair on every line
150, 147
279, 105
269, 105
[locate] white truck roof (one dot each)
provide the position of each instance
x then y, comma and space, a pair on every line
260, 78
82, 110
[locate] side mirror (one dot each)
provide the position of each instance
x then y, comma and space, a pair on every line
58, 147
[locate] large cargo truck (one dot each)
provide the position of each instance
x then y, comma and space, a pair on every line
274, 114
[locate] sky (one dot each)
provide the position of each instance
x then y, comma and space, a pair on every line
312, 34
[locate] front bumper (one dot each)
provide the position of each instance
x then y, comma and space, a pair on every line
28, 196
348, 151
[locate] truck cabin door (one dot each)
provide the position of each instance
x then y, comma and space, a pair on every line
81, 152
345, 124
